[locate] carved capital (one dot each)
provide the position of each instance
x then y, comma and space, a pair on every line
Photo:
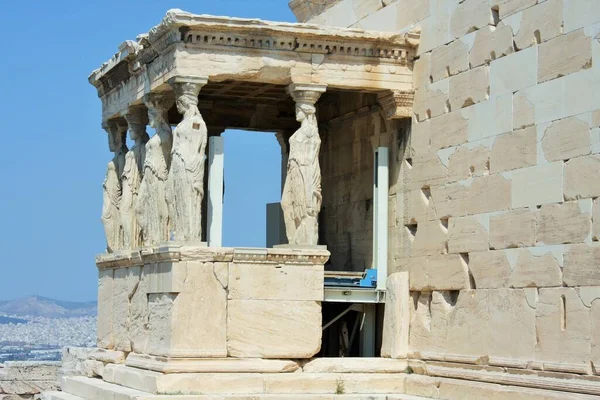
397, 104
116, 135
306, 93
136, 115
160, 101
188, 85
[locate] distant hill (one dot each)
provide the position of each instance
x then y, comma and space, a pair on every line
43, 307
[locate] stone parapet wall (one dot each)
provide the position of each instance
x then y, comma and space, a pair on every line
212, 302
27, 379
495, 209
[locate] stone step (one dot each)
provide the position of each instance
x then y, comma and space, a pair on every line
60, 396
97, 389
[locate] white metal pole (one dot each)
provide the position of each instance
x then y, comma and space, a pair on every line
215, 191
381, 217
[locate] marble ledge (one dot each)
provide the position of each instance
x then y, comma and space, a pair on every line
173, 252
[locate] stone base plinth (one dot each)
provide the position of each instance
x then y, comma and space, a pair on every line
178, 301
321, 379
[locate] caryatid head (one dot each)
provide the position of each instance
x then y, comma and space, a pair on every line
137, 119
116, 136
158, 108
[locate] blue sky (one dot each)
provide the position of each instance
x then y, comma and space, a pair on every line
55, 152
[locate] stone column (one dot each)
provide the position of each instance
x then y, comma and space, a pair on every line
137, 119
112, 190
151, 209
301, 199
185, 186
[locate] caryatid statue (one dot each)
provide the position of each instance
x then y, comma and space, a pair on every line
301, 199
111, 217
137, 119
185, 185
151, 209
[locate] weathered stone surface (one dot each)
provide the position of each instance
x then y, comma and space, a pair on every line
275, 282
540, 184
422, 71
582, 265
312, 383
513, 229
139, 313
467, 162
466, 234
535, 270
564, 55
538, 24
441, 272
350, 365
73, 359
255, 328
396, 322
489, 193
491, 43
509, 7
563, 327
581, 177
210, 365
596, 220
563, 223
514, 72
427, 170
450, 200
93, 368
108, 356
29, 371
523, 112
430, 103
567, 138
490, 269
441, 319
430, 239
448, 130
419, 207
105, 309
580, 13
514, 150
469, 88
595, 317
490, 118
449, 60
125, 283
191, 323
469, 16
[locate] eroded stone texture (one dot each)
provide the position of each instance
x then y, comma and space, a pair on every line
523, 112
514, 150
581, 177
539, 24
105, 309
466, 234
582, 265
596, 220
509, 7
467, 162
489, 193
563, 328
396, 320
564, 55
449, 60
469, 16
438, 272
180, 327
125, 283
430, 103
490, 269
139, 314
566, 139
513, 229
450, 200
535, 270
469, 88
491, 43
256, 328
563, 223
427, 170
540, 184
430, 239
448, 130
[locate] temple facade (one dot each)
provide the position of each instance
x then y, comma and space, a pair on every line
440, 206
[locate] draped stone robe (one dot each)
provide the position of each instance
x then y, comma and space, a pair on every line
185, 186
131, 181
112, 194
301, 199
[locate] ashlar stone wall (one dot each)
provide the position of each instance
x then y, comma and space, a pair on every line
496, 212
